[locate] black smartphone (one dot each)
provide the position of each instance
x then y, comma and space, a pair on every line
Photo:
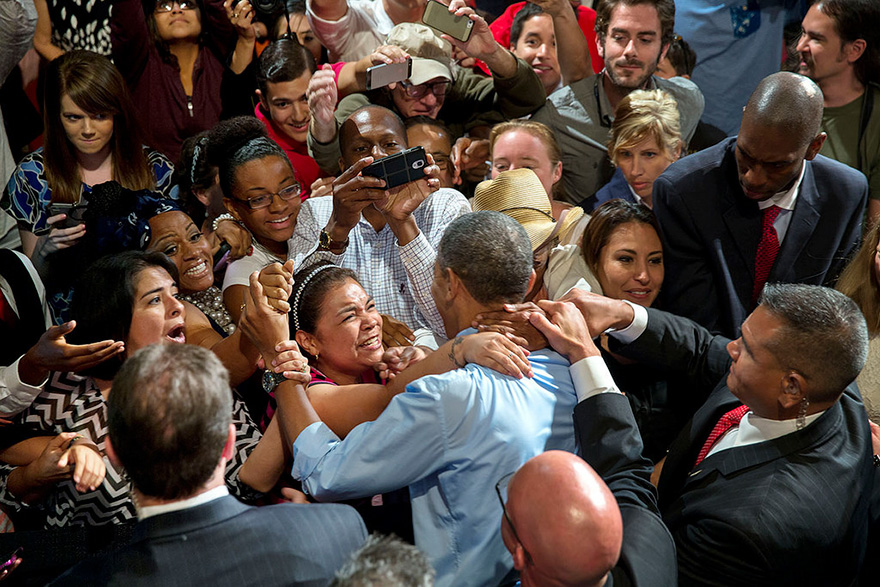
74, 214
399, 168
437, 16
383, 74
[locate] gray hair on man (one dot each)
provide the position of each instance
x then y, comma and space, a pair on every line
386, 561
491, 254
168, 418
824, 335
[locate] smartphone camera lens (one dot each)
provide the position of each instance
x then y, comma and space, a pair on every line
418, 164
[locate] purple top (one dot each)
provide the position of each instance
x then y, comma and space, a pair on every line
166, 113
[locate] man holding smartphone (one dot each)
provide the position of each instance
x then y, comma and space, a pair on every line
388, 237
463, 101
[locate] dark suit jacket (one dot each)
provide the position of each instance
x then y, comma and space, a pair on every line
225, 542
610, 443
790, 511
710, 234
615, 189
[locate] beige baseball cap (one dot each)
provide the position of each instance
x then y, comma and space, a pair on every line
431, 55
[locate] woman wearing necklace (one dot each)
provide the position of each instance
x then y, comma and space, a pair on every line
261, 191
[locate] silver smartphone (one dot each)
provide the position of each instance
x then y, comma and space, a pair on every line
437, 16
383, 74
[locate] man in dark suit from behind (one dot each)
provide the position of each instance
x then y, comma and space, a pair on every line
593, 519
770, 482
761, 207
170, 427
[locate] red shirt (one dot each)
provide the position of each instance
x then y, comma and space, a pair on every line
500, 28
306, 168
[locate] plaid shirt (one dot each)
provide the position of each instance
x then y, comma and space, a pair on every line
398, 278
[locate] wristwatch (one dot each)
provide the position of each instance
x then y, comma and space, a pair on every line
271, 380
326, 243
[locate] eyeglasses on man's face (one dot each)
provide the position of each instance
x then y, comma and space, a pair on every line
265, 200
501, 490
169, 6
439, 89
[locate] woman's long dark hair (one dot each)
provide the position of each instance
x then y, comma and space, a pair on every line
103, 302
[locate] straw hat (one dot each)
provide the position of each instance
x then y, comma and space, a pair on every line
431, 55
520, 194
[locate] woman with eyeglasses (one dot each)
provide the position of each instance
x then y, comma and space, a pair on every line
172, 54
91, 136
261, 191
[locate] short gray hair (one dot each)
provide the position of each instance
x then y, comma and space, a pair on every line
168, 418
386, 561
491, 254
824, 336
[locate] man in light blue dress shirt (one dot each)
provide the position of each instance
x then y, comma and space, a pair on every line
450, 438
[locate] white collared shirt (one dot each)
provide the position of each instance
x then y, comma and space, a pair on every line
785, 200
166, 508
754, 429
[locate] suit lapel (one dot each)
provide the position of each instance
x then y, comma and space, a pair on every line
743, 221
804, 218
732, 460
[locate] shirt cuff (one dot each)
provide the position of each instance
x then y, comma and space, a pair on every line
591, 377
416, 250
635, 328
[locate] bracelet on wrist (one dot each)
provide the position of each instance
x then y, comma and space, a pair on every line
220, 219
74, 439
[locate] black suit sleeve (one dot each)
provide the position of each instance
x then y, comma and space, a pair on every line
610, 442
690, 287
680, 346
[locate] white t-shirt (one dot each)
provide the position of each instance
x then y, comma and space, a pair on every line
239, 271
363, 28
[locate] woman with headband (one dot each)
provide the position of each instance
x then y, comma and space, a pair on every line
338, 329
200, 197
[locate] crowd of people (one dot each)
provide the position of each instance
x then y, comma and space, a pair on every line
618, 323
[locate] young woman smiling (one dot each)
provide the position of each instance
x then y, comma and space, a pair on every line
261, 191
91, 136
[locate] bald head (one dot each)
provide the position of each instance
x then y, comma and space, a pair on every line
370, 131
567, 519
786, 102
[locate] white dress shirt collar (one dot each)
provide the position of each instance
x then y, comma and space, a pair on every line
786, 199
166, 508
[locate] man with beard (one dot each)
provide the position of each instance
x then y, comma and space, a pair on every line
632, 37
839, 49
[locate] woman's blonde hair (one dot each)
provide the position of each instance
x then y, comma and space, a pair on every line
643, 114
859, 280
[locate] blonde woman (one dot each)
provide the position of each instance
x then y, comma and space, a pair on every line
645, 139
861, 282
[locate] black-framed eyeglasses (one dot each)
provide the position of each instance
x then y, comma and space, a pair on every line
265, 200
439, 89
501, 490
169, 6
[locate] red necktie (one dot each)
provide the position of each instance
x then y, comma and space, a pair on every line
7, 315
768, 247
727, 421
